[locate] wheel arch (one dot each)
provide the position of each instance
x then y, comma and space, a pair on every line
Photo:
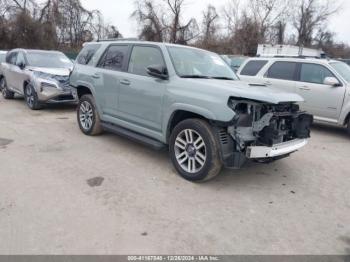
179, 116
347, 118
83, 90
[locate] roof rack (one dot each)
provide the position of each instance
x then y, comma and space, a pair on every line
117, 39
290, 56
290, 51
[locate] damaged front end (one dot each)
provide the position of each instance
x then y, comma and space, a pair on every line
262, 132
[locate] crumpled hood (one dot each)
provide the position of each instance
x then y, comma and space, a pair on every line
242, 89
51, 71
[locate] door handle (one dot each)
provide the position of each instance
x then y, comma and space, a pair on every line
125, 82
267, 83
96, 76
305, 88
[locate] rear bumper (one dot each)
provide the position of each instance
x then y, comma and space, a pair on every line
260, 152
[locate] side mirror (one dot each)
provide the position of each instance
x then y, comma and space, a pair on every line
21, 66
331, 81
158, 71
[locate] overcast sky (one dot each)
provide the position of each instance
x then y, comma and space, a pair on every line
118, 13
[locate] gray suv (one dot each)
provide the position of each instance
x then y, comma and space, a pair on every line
40, 76
187, 100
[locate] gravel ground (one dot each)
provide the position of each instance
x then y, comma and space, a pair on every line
65, 193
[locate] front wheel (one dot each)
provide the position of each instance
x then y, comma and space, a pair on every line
88, 117
31, 98
7, 94
194, 150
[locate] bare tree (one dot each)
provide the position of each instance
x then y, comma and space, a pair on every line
310, 16
151, 20
210, 24
180, 32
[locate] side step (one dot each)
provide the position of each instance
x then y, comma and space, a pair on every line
133, 136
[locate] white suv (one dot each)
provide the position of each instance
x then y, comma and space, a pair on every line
324, 84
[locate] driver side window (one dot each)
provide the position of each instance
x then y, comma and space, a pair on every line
20, 59
12, 58
143, 57
313, 73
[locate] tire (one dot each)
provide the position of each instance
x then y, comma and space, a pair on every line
195, 151
348, 126
88, 117
31, 98
7, 94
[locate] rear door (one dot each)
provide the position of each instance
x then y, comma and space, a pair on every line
282, 75
141, 96
323, 101
108, 75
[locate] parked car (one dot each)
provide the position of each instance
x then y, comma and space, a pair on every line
188, 100
324, 84
234, 61
2, 59
346, 61
40, 76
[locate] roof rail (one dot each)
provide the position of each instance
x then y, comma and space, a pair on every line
117, 39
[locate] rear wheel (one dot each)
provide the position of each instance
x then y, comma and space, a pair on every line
194, 150
88, 117
7, 94
31, 98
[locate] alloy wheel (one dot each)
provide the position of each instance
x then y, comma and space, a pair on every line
86, 115
30, 96
190, 151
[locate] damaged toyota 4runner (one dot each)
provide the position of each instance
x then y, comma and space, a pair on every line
187, 100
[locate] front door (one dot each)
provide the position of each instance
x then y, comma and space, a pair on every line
10, 69
141, 96
323, 101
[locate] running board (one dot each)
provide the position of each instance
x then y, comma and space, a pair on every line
133, 136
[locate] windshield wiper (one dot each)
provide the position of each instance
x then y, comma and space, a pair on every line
223, 78
207, 77
196, 76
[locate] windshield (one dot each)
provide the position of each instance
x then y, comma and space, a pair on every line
342, 69
197, 63
48, 60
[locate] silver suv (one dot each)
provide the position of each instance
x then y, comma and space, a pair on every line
324, 84
188, 100
40, 76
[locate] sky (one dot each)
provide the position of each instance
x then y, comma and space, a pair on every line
117, 12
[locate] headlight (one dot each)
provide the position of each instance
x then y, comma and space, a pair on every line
47, 85
44, 75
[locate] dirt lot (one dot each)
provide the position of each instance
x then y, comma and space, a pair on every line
64, 193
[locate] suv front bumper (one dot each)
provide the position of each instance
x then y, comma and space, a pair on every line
286, 148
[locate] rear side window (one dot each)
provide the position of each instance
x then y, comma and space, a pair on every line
115, 57
253, 67
143, 57
87, 53
282, 70
312, 73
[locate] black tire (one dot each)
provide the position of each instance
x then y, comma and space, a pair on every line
202, 170
31, 97
348, 126
7, 94
84, 114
